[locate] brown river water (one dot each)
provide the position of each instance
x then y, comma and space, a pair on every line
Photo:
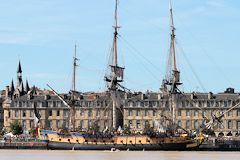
118, 155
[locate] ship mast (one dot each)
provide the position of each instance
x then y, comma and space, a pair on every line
71, 120
74, 69
172, 80
116, 74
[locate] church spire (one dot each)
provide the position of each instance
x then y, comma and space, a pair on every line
19, 69
21, 89
27, 87
19, 75
12, 89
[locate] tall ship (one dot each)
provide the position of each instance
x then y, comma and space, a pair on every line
171, 137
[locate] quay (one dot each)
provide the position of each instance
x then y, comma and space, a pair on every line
22, 143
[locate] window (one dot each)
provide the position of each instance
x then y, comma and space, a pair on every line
225, 104
133, 104
199, 104
195, 113
31, 113
46, 104
154, 113
179, 123
105, 123
9, 114
58, 124
50, 113
81, 112
24, 113
31, 124
138, 124
90, 113
179, 113
89, 123
130, 123
106, 113
65, 113
65, 124
187, 113
229, 123
54, 104
16, 113
98, 113
208, 104
238, 112
58, 113
183, 104
50, 123
238, 125
81, 124
146, 112
230, 114
196, 124
188, 124
146, 124
204, 113
24, 123
130, 113
138, 113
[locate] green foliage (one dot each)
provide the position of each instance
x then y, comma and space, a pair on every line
148, 130
64, 125
95, 127
32, 132
47, 125
126, 130
3, 131
209, 132
79, 129
16, 128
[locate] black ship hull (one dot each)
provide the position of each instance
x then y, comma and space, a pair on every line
162, 146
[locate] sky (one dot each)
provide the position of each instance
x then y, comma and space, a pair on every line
42, 34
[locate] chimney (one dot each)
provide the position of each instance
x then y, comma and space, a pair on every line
125, 96
192, 95
160, 96
210, 95
7, 91
142, 96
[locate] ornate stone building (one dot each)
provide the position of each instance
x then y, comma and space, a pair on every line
139, 110
90, 109
143, 109
19, 103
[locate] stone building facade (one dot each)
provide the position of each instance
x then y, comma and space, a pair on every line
139, 109
90, 109
149, 108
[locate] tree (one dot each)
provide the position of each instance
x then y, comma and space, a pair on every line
33, 132
95, 127
209, 132
47, 124
16, 128
148, 130
3, 131
126, 130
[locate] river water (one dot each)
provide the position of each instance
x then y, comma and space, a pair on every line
120, 155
